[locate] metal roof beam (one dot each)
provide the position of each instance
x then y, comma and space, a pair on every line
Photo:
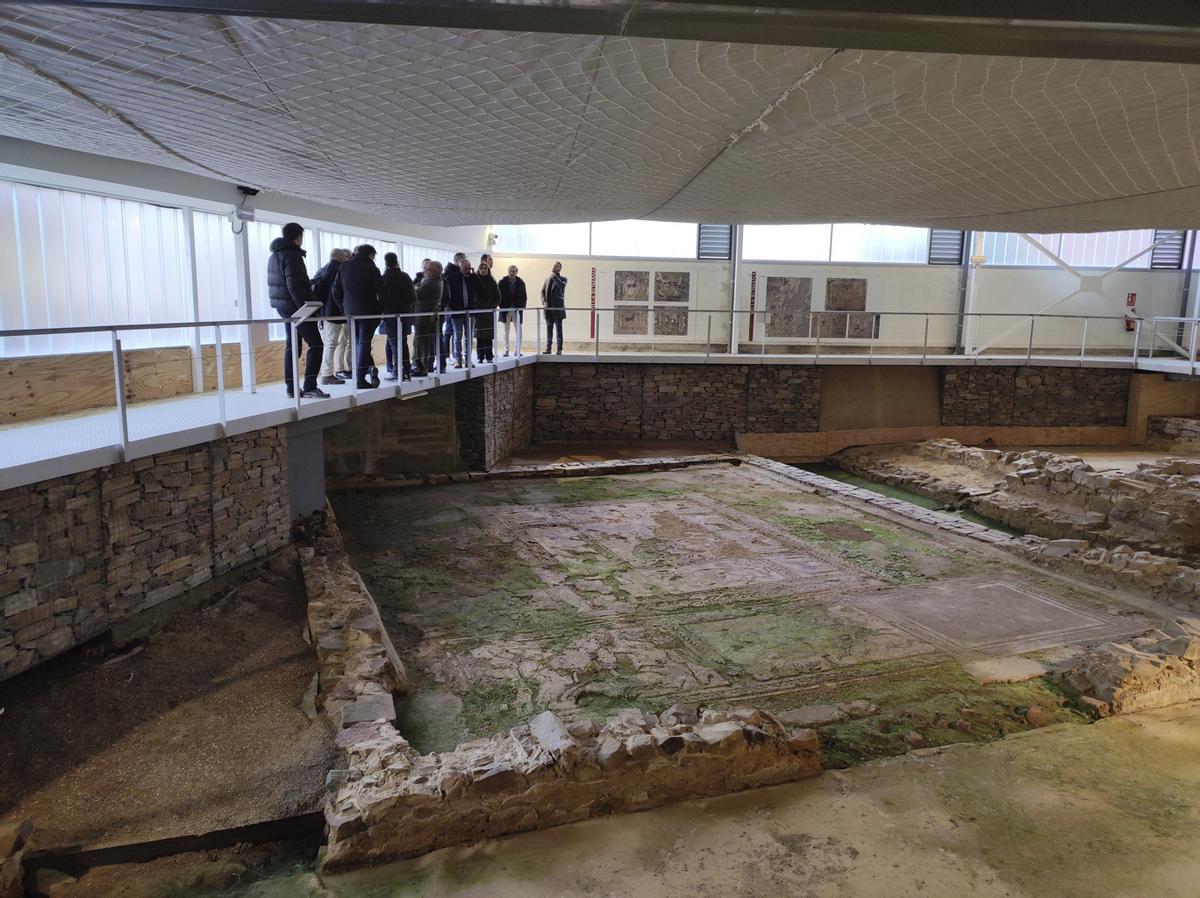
1148, 30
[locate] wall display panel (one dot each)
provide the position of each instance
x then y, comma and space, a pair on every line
672, 286
631, 321
670, 321
631, 286
788, 306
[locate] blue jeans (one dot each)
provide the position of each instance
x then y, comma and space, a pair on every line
457, 325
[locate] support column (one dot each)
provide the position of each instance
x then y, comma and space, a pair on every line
251, 336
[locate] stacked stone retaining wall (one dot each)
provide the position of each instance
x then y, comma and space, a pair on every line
673, 402
81, 553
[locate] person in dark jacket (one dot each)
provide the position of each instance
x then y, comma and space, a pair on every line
425, 331
447, 326
462, 287
486, 301
288, 290
335, 334
358, 287
513, 299
397, 298
554, 302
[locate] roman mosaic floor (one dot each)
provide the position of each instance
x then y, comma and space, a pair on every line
721, 585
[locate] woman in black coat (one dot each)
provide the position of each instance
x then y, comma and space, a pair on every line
487, 299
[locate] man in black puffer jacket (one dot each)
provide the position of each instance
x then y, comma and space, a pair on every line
357, 289
288, 290
397, 298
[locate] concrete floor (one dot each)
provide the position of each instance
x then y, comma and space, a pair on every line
1107, 810
1063, 812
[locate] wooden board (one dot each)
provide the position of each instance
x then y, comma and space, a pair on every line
1153, 394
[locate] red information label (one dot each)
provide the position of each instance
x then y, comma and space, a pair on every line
592, 333
753, 301
1131, 299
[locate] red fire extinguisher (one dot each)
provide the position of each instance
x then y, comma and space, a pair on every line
1131, 315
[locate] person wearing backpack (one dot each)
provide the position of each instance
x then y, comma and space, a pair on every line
289, 290
334, 333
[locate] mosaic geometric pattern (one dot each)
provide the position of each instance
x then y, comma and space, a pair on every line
591, 127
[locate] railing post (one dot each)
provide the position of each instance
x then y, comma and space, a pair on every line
596, 325
708, 338
1137, 340
122, 409
438, 325
1029, 345
925, 341
1192, 345
354, 375
1153, 338
470, 335
814, 320
220, 354
1083, 340
297, 382
538, 348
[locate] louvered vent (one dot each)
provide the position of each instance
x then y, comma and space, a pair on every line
716, 241
945, 247
1169, 253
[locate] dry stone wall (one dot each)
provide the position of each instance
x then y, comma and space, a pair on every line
390, 801
673, 402
1034, 396
1153, 670
81, 553
1173, 433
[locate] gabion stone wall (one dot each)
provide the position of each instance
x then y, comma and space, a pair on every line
1034, 396
81, 553
494, 415
673, 402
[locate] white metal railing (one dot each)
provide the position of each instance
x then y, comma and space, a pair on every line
906, 337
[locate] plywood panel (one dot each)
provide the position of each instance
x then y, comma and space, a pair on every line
39, 386
857, 398
812, 447
1154, 394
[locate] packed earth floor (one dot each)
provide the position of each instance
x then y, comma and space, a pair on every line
721, 585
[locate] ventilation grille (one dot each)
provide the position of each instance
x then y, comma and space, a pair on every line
715, 242
1169, 253
945, 247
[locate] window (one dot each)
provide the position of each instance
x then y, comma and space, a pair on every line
1105, 249
644, 239
548, 239
411, 256
879, 243
786, 243
69, 258
216, 268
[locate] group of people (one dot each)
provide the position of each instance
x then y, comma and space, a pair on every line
464, 299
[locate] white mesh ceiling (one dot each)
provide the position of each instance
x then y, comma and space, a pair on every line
460, 127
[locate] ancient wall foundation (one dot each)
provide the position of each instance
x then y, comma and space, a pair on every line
81, 553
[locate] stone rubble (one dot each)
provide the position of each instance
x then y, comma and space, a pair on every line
391, 801
1155, 508
14, 841
1158, 668
358, 669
